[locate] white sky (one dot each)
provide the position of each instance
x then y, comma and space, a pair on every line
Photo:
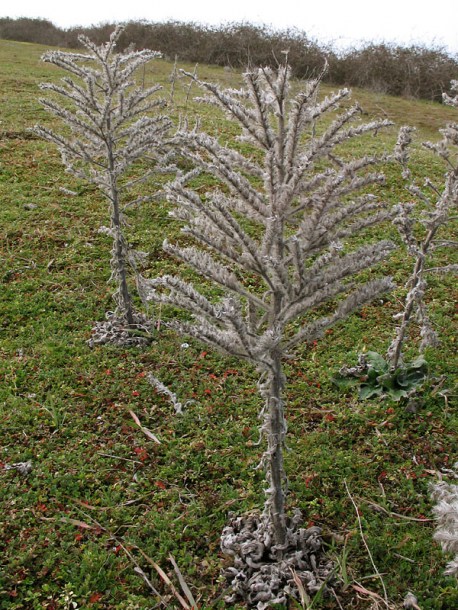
343, 22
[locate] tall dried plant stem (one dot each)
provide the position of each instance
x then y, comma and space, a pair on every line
437, 216
411, 302
275, 432
120, 262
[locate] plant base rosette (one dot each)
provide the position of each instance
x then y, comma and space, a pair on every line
115, 330
374, 377
263, 574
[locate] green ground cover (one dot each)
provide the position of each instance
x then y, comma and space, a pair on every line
101, 491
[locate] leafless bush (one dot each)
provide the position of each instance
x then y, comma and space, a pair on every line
414, 71
24, 29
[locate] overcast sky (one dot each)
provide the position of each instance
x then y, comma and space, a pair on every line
342, 22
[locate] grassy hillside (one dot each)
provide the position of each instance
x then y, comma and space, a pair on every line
101, 493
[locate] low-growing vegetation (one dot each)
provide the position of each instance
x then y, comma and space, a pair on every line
106, 492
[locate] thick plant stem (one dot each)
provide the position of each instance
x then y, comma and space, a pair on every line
124, 294
120, 262
275, 430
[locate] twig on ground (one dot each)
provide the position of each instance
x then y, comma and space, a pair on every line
337, 599
145, 431
393, 514
404, 557
118, 457
360, 526
183, 583
140, 571
23, 468
166, 579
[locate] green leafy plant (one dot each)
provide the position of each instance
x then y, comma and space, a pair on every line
375, 377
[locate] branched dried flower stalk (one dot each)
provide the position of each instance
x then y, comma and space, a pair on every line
276, 239
110, 128
437, 215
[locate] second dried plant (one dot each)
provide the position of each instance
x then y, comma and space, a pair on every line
110, 124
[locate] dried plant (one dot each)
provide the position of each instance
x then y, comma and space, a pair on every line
276, 239
441, 205
389, 375
446, 512
112, 125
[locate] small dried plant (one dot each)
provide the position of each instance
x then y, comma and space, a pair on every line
112, 125
390, 375
441, 206
446, 512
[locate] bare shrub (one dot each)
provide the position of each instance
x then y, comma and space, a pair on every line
24, 29
414, 71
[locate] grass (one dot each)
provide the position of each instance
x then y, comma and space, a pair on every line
100, 489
